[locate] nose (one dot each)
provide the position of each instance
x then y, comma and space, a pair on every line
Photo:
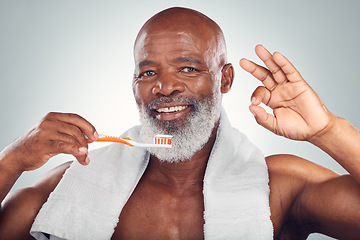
167, 85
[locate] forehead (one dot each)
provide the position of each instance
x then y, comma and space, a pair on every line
151, 44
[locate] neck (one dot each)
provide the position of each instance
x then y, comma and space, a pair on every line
183, 177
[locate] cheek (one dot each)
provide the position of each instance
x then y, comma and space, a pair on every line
204, 87
138, 94
142, 93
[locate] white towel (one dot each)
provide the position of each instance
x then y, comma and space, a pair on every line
87, 202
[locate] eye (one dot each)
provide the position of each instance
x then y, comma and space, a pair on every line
189, 69
147, 74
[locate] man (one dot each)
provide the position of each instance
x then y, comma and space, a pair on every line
181, 72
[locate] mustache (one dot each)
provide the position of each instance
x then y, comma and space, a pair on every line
168, 99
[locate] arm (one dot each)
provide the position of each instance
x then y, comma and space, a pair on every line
307, 198
329, 205
341, 141
20, 207
298, 112
56, 133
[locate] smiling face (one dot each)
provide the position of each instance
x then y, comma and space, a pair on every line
170, 64
180, 57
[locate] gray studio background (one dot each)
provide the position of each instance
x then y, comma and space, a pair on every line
76, 56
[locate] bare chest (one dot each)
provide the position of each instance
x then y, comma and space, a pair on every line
152, 213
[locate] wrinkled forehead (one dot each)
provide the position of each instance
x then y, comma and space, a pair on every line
183, 39
181, 30
196, 38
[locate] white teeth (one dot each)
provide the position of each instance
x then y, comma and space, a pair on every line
171, 109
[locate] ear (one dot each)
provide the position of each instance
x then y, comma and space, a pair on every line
227, 78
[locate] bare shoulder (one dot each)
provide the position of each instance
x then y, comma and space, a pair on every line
306, 198
289, 176
20, 207
50, 180
291, 166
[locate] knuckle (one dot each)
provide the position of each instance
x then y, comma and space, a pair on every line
47, 120
91, 129
59, 145
275, 70
72, 115
43, 125
63, 147
50, 115
78, 135
73, 140
76, 131
263, 77
259, 90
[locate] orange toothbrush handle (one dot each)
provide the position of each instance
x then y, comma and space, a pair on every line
113, 139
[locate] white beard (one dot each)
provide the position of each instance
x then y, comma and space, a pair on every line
189, 137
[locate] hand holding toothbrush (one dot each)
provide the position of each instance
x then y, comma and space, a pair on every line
60, 133
56, 133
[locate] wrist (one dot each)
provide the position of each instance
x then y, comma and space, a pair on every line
332, 129
9, 163
9, 171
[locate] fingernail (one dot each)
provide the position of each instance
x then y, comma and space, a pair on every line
96, 135
87, 160
253, 113
82, 149
252, 100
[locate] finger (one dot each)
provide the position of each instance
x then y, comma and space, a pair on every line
263, 118
259, 72
260, 94
74, 119
291, 73
278, 75
72, 131
83, 160
67, 145
55, 130
68, 148
79, 152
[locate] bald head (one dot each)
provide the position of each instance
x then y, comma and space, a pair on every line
183, 20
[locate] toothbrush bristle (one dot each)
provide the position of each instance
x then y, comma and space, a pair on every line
163, 139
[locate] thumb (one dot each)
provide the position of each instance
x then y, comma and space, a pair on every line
83, 157
263, 118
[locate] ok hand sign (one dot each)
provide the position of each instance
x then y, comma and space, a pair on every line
298, 112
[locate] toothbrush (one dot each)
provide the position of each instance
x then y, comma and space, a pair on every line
159, 141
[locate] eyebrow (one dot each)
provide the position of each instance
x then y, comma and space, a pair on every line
145, 63
188, 59
191, 59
